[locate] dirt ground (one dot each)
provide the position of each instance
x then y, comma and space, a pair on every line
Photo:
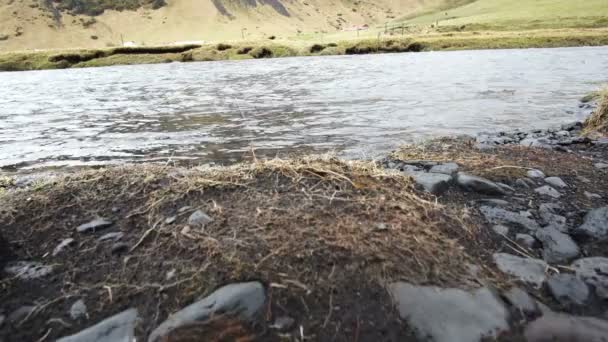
324, 235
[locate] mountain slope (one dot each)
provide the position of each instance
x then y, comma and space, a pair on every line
43, 24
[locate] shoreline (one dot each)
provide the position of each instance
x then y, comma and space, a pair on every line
447, 41
512, 224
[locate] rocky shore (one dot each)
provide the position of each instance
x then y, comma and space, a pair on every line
496, 237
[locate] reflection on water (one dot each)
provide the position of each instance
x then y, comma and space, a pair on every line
359, 106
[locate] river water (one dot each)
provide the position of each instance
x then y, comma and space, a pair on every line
355, 106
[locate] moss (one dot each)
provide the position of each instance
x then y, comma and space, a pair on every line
223, 47
261, 52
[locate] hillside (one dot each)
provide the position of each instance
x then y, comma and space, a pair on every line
43, 24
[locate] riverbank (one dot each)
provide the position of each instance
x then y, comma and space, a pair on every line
434, 41
504, 234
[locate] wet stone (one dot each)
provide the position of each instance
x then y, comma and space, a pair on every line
447, 315
556, 182
593, 271
528, 270
478, 184
78, 310
199, 219
28, 270
548, 191
499, 215
118, 328
94, 225
244, 299
595, 224
557, 246
566, 328
62, 245
568, 289
447, 168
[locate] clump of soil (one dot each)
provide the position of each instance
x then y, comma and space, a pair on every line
323, 234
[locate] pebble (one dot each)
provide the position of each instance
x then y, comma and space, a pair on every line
525, 240
546, 212
447, 168
601, 166
556, 182
78, 310
499, 215
99, 223
244, 299
568, 289
283, 324
478, 184
548, 191
595, 224
119, 247
435, 183
522, 183
592, 196
114, 236
557, 246
28, 270
118, 328
170, 220
529, 270
62, 245
500, 229
447, 315
522, 301
535, 174
199, 219
566, 328
594, 271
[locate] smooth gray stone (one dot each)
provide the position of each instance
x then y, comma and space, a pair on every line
557, 246
99, 223
478, 184
78, 310
568, 289
118, 328
595, 224
594, 271
447, 315
435, 183
447, 168
500, 229
535, 174
556, 182
28, 270
499, 215
522, 183
522, 301
566, 328
546, 190
601, 166
199, 219
528, 270
525, 240
114, 236
592, 196
546, 212
62, 245
243, 299
505, 187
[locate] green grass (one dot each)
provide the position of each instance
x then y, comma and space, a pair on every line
519, 15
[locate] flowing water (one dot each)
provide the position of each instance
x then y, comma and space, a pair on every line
355, 106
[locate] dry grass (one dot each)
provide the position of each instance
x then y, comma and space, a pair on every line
598, 121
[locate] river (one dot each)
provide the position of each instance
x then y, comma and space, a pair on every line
218, 112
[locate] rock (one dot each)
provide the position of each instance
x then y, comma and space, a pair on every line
170, 220
522, 301
525, 240
244, 299
494, 202
114, 236
541, 142
535, 174
94, 225
62, 245
548, 191
78, 310
594, 271
28, 270
435, 183
199, 219
595, 224
565, 328
408, 169
446, 315
550, 219
478, 184
568, 289
529, 270
592, 196
556, 182
18, 315
499, 215
118, 328
500, 229
447, 168
119, 247
522, 183
557, 246
505, 187
601, 166
283, 324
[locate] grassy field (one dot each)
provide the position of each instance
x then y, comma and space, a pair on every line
520, 15
435, 41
